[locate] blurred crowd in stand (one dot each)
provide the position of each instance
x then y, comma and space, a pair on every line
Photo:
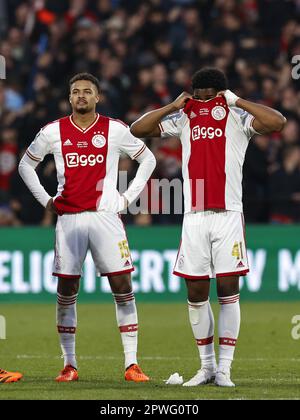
145, 52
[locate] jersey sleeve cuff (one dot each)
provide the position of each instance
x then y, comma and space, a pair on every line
253, 129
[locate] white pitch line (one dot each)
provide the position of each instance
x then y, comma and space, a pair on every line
100, 357
29, 356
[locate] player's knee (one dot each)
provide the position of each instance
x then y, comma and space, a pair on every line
67, 287
198, 291
120, 284
228, 286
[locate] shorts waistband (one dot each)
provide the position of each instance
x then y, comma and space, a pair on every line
210, 212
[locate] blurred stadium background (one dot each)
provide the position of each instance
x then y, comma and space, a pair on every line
144, 52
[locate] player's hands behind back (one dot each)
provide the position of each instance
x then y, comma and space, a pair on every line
50, 206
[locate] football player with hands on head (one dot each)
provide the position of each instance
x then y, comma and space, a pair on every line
214, 126
86, 148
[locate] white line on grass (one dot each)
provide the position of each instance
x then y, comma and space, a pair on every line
99, 357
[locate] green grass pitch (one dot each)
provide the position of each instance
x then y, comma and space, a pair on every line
266, 365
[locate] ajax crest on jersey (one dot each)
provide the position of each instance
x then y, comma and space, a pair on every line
99, 141
218, 113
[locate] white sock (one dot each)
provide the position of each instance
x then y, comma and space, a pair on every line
229, 326
66, 319
128, 325
202, 323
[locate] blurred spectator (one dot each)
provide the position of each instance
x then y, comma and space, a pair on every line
145, 52
255, 184
285, 188
8, 157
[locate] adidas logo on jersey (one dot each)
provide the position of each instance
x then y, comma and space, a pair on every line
68, 143
127, 263
240, 265
193, 115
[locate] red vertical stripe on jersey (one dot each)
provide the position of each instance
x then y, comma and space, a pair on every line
84, 155
208, 148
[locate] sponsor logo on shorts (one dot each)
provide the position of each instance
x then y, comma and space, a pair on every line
74, 160
237, 251
218, 113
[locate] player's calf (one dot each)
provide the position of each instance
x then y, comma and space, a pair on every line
66, 316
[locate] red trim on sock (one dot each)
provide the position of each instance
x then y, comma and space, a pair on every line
205, 341
128, 328
120, 295
66, 300
227, 302
66, 330
226, 341
125, 300
66, 304
229, 299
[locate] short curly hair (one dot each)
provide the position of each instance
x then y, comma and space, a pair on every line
86, 76
209, 77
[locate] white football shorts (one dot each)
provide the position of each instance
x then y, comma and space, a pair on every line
101, 232
212, 245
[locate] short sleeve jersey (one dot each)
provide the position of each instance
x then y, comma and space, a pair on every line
214, 140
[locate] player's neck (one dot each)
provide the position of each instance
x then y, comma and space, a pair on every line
84, 120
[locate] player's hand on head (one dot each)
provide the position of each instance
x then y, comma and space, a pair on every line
181, 100
230, 97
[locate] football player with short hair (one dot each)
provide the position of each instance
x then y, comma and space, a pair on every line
86, 148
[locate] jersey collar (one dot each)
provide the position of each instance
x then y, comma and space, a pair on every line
87, 128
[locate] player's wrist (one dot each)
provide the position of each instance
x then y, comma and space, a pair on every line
231, 98
172, 107
123, 202
126, 201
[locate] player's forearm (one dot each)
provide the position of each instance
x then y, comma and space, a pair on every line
29, 176
147, 163
148, 122
269, 118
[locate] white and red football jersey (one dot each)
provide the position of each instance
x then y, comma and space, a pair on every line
214, 140
86, 161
